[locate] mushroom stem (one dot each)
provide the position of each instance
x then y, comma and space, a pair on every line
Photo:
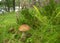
23, 35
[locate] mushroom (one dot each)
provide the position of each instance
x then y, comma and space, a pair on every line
23, 28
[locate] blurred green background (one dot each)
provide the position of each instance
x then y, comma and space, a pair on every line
43, 17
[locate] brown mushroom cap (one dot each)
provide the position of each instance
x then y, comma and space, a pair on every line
24, 27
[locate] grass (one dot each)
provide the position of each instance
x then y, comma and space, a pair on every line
48, 34
6, 21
